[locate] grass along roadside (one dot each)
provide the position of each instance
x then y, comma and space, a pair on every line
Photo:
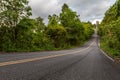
110, 51
34, 49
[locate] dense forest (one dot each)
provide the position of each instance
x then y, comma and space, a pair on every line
19, 32
109, 30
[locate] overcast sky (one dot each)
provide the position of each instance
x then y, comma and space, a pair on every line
89, 10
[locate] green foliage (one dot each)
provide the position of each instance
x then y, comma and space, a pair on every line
56, 32
24, 33
53, 20
110, 30
57, 35
112, 14
88, 30
70, 20
5, 38
12, 11
20, 33
40, 25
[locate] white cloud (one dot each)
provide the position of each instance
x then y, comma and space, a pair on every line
44, 7
89, 10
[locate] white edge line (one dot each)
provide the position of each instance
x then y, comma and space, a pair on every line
105, 53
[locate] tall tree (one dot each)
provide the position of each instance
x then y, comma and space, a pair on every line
110, 30
70, 20
53, 20
55, 31
24, 33
40, 25
112, 14
12, 11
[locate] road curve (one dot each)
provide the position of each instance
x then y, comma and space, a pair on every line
84, 63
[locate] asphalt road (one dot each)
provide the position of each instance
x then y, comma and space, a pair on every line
84, 63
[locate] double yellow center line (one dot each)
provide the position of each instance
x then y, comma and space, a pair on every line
41, 58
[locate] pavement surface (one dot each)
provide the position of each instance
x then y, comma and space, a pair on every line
87, 62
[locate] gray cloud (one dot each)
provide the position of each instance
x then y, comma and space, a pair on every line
89, 10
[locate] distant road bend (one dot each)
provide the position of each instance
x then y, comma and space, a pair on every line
84, 63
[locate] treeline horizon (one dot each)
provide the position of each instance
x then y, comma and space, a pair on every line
19, 32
